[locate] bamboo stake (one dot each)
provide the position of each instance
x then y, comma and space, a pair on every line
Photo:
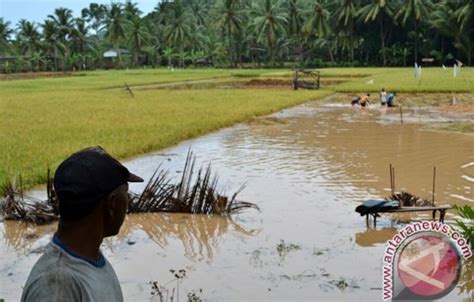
401, 115
129, 89
391, 178
434, 181
393, 182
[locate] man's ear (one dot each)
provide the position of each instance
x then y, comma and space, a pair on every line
108, 205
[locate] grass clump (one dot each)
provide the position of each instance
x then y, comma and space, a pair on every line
267, 121
283, 248
463, 127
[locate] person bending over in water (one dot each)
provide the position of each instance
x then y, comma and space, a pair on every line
390, 99
355, 101
365, 100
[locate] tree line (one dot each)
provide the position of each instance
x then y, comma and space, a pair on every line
233, 33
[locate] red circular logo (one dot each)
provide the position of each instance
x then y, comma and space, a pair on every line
429, 266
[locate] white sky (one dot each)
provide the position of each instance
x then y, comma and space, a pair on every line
38, 10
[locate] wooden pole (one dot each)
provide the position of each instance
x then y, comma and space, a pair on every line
401, 115
391, 179
319, 74
128, 89
434, 181
393, 176
295, 80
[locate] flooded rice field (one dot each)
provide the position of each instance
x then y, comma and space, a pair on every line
307, 174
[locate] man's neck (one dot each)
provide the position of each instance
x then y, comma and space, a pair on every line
84, 239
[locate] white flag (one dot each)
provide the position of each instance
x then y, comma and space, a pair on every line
416, 70
444, 67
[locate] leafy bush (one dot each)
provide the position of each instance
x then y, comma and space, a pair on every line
466, 228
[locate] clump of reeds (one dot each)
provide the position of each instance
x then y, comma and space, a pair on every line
196, 196
409, 200
17, 206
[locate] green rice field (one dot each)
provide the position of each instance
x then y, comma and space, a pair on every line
45, 119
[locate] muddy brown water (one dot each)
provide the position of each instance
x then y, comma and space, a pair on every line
307, 175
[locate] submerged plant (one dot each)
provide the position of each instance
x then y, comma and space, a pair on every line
166, 294
283, 248
407, 199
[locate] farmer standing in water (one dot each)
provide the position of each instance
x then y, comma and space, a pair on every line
92, 188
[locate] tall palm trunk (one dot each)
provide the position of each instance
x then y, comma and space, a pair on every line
416, 40
119, 55
229, 34
382, 38
351, 41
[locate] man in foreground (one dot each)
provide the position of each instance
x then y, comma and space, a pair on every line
92, 188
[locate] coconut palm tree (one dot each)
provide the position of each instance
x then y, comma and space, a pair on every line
377, 11
64, 20
295, 25
94, 14
28, 37
115, 26
230, 21
318, 21
345, 14
138, 35
445, 20
415, 10
131, 10
79, 41
5, 32
52, 41
269, 21
200, 9
178, 31
318, 25
464, 14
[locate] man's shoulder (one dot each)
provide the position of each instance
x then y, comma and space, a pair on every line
61, 275
52, 283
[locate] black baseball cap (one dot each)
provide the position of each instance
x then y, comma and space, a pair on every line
87, 176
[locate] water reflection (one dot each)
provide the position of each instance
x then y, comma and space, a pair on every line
200, 235
22, 236
373, 237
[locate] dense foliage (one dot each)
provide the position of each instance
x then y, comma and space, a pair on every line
243, 33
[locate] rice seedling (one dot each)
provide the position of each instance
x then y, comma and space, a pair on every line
166, 294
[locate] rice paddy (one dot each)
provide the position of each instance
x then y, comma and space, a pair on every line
46, 119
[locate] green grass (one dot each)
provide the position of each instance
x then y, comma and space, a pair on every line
116, 78
40, 128
433, 79
464, 127
46, 119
